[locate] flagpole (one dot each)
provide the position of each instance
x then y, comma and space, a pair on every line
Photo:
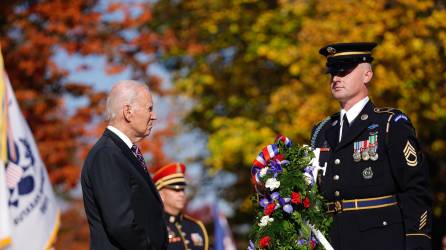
3, 118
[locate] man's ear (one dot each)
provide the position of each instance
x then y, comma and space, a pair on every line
127, 112
368, 74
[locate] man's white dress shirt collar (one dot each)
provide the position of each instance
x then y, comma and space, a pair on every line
352, 113
121, 135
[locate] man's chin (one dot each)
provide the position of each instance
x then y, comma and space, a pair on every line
338, 95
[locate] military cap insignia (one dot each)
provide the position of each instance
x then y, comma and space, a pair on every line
331, 50
410, 154
423, 220
367, 173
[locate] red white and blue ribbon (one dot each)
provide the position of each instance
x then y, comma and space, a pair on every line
285, 140
268, 153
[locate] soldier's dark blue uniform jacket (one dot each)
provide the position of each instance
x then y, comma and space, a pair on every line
186, 233
380, 201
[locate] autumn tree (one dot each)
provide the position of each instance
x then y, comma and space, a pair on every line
253, 70
32, 33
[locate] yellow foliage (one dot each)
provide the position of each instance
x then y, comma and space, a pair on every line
236, 142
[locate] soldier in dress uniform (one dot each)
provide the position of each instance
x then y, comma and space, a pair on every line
376, 178
184, 232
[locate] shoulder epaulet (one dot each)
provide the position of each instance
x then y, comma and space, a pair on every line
318, 128
203, 229
394, 114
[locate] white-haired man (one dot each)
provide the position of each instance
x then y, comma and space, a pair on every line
117, 189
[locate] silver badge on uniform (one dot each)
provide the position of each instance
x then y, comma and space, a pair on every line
367, 173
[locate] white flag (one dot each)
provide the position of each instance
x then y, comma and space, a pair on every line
33, 214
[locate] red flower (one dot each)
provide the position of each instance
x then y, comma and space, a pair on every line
312, 244
280, 157
264, 242
295, 198
269, 209
307, 202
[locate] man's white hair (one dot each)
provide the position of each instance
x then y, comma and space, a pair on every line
122, 93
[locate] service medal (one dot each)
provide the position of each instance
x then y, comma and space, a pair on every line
356, 152
365, 155
373, 138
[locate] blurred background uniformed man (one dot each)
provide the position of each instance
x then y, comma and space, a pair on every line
376, 180
184, 232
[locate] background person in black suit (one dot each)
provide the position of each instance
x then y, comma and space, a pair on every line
376, 180
123, 207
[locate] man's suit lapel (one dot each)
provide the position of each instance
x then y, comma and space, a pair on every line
135, 163
358, 125
332, 134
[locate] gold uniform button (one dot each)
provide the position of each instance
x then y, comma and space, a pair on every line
337, 161
336, 177
337, 193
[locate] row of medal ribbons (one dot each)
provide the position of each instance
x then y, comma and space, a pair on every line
367, 149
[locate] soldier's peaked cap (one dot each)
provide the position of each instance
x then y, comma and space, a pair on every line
170, 176
345, 56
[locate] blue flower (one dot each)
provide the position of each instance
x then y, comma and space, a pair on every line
264, 202
251, 245
275, 196
276, 168
288, 208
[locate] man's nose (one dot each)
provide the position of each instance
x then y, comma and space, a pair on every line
335, 78
153, 116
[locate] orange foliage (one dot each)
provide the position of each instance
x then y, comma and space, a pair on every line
31, 34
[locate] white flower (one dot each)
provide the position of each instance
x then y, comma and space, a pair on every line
263, 171
308, 179
272, 184
265, 220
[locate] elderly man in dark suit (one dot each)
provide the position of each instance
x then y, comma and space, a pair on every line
122, 204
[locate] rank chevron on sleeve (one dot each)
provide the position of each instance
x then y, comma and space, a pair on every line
410, 154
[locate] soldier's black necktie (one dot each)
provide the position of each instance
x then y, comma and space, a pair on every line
345, 126
140, 157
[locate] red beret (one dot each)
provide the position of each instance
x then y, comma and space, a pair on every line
171, 175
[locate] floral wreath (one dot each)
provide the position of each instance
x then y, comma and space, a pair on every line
290, 212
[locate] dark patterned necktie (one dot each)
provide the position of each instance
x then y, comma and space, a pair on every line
140, 158
345, 126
